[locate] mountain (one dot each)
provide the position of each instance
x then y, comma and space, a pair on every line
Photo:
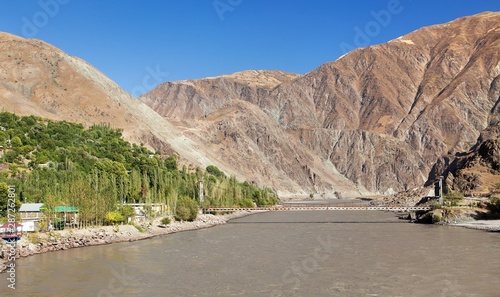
39, 79
373, 121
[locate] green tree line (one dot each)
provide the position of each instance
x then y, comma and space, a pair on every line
96, 170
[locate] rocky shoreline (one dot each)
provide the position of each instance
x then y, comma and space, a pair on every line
471, 218
485, 225
38, 243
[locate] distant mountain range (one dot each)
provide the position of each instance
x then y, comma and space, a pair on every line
373, 122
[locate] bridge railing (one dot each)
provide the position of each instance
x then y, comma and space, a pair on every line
298, 208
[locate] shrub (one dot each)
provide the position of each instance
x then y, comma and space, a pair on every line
453, 198
165, 221
114, 217
247, 203
215, 171
127, 211
494, 204
186, 209
436, 218
436, 205
497, 186
10, 156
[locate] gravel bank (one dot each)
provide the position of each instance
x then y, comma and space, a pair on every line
486, 225
75, 238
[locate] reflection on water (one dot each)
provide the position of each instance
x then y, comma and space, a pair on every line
311, 253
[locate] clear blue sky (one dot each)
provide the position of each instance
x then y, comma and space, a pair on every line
198, 38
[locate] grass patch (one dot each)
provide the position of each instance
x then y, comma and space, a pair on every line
138, 227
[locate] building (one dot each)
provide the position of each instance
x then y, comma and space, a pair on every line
61, 216
66, 216
141, 209
11, 231
31, 214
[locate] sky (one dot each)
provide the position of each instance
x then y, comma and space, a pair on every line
140, 44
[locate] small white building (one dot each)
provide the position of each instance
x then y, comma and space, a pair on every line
140, 210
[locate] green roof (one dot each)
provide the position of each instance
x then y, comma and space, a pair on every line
62, 209
66, 209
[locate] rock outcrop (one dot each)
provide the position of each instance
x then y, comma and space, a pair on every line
475, 172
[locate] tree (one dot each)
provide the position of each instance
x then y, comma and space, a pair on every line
215, 171
4, 193
171, 162
127, 211
16, 142
186, 210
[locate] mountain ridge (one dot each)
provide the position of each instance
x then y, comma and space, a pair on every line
406, 97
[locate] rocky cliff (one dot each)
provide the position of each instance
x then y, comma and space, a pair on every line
374, 121
475, 172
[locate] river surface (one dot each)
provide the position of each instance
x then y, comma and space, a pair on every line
310, 253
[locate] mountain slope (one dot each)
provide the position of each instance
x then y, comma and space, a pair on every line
37, 78
379, 116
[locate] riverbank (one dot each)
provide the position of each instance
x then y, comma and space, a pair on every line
38, 243
479, 218
486, 225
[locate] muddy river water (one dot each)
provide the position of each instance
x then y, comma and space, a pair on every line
307, 253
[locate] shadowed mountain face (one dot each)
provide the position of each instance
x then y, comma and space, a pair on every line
375, 120
475, 172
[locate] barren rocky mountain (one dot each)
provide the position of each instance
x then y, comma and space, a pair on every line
374, 121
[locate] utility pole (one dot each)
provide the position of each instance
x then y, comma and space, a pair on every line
202, 198
440, 189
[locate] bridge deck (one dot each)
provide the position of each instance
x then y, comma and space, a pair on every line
299, 208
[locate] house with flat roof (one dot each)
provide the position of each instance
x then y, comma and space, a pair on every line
31, 214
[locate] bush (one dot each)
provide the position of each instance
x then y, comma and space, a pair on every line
114, 217
247, 203
165, 221
138, 227
436, 205
436, 218
186, 210
127, 211
494, 204
215, 171
497, 186
453, 198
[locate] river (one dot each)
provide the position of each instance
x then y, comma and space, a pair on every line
309, 253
